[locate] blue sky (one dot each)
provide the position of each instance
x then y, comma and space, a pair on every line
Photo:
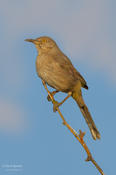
31, 135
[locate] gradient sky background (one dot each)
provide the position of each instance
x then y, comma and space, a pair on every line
31, 135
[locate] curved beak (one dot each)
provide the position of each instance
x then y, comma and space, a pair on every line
30, 40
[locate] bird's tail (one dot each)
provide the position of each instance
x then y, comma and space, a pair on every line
83, 108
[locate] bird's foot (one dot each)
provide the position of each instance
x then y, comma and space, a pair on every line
49, 98
52, 94
55, 105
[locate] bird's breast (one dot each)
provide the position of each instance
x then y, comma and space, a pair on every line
40, 62
54, 74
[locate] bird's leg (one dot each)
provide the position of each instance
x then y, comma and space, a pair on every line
52, 93
56, 104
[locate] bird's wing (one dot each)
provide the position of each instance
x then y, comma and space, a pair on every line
67, 65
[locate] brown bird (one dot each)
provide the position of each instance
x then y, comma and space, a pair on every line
55, 69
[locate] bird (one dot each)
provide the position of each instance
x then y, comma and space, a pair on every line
58, 72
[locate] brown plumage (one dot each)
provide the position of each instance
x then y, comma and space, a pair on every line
57, 71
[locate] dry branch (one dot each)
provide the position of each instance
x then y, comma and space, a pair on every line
79, 136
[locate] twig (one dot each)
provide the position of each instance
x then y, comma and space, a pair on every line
79, 136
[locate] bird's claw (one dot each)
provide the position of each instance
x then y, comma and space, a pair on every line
55, 105
49, 98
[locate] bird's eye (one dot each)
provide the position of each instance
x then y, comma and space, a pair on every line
44, 41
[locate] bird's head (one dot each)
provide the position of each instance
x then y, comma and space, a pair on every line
43, 44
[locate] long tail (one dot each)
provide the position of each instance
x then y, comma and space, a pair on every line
83, 108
